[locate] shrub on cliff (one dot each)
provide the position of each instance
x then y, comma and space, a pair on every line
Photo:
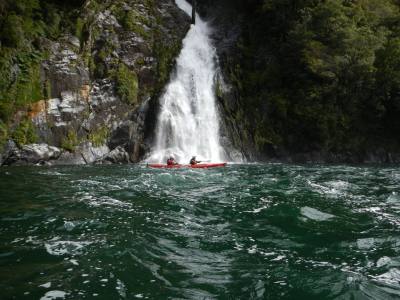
23, 24
99, 137
25, 133
331, 64
3, 133
70, 141
12, 33
126, 84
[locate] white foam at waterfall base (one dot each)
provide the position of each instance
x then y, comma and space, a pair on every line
188, 121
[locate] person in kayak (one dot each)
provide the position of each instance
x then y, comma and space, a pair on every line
171, 161
193, 161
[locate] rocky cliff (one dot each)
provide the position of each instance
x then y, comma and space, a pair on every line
299, 81
309, 81
97, 86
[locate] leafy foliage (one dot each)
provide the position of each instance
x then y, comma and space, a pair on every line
12, 31
133, 21
70, 142
127, 84
99, 136
3, 133
25, 133
23, 24
319, 75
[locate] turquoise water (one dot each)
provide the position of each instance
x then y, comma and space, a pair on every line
270, 231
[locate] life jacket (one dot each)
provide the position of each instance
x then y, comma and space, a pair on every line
170, 162
193, 161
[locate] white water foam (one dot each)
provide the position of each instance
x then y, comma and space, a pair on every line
46, 285
54, 295
59, 248
188, 122
314, 214
105, 201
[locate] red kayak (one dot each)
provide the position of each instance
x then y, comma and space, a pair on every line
197, 166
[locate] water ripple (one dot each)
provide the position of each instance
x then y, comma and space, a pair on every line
244, 232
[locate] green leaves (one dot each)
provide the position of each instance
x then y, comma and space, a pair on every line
127, 84
3, 134
388, 65
25, 133
320, 75
12, 34
70, 141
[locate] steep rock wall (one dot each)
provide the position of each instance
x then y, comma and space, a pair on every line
296, 88
100, 85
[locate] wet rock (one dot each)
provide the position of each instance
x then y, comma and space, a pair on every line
70, 106
33, 154
84, 154
69, 158
116, 156
64, 70
90, 154
74, 41
8, 149
122, 135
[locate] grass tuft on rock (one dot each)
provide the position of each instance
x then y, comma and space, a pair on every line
99, 136
25, 133
127, 84
70, 142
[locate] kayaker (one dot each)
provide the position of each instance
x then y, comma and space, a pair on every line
171, 161
193, 161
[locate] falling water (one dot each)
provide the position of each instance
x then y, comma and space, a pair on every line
187, 124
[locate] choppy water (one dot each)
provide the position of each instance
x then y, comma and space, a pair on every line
243, 232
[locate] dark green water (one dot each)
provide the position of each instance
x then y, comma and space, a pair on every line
243, 232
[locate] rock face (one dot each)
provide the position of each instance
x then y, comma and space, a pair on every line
102, 88
231, 21
227, 22
33, 154
118, 155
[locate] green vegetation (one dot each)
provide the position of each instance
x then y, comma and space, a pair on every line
3, 133
133, 21
99, 136
24, 133
27, 25
165, 54
97, 65
70, 142
127, 84
319, 75
23, 25
79, 29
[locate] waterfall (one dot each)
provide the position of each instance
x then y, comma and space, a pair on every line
188, 121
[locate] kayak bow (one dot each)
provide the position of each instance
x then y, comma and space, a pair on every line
197, 166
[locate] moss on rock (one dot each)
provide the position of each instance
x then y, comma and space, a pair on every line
165, 55
25, 133
127, 84
3, 134
133, 21
99, 136
70, 142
